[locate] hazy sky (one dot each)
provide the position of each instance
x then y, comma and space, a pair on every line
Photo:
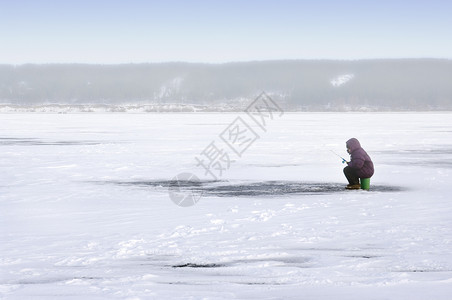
114, 31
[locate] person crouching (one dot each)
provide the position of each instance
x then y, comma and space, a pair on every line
359, 166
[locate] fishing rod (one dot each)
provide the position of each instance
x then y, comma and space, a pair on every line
343, 159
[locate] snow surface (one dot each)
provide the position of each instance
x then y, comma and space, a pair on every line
342, 79
85, 211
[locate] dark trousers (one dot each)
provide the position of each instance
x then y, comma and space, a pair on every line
351, 175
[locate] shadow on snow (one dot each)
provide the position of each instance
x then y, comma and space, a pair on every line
252, 188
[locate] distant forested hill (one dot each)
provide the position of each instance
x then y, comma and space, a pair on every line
410, 84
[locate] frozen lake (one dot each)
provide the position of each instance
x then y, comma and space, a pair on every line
85, 209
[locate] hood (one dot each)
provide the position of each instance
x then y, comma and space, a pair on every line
353, 144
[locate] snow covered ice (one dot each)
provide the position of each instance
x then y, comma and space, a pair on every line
85, 211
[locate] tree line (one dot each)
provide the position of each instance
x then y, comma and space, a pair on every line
297, 84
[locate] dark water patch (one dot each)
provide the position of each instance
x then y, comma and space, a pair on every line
254, 189
272, 188
285, 261
193, 265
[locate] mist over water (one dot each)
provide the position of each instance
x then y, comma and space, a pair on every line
297, 85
